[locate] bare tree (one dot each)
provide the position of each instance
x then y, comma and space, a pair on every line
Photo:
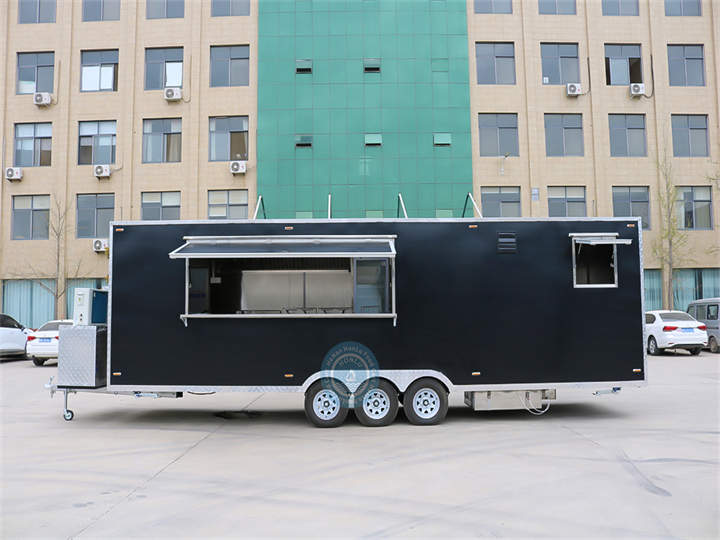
57, 230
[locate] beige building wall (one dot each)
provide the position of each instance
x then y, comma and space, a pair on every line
129, 105
596, 170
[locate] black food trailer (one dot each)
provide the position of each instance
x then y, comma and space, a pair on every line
367, 314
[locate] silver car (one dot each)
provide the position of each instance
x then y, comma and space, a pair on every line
706, 311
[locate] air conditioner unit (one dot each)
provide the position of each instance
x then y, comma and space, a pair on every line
13, 174
173, 94
238, 167
573, 89
42, 98
637, 89
102, 171
99, 245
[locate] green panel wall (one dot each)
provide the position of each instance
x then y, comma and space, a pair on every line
422, 89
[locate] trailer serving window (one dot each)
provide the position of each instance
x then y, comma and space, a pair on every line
288, 276
594, 259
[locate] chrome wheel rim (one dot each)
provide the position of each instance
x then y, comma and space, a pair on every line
426, 403
376, 404
326, 404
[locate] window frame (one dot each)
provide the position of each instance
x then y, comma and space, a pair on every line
164, 62
231, 3
229, 138
688, 118
102, 4
685, 58
626, 58
165, 137
620, 3
645, 226
115, 65
36, 65
33, 213
165, 10
229, 62
555, 12
682, 4
515, 195
95, 141
36, 4
227, 205
95, 214
162, 206
497, 127
545, 46
36, 152
603, 239
495, 56
681, 209
493, 9
564, 129
567, 199
626, 131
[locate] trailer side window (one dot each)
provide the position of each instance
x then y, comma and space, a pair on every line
594, 258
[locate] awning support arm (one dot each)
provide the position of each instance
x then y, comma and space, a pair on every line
259, 203
478, 213
401, 205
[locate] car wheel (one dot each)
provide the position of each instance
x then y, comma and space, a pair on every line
376, 403
325, 404
425, 402
652, 347
38, 361
714, 347
695, 351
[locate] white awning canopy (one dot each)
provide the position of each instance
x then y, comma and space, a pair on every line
597, 239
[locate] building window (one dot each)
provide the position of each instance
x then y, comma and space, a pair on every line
97, 142
94, 213
694, 207
162, 140
229, 138
687, 8
30, 301
101, 10
620, 7
653, 289
303, 141
493, 6
371, 65
686, 65
230, 66
373, 139
632, 202
495, 63
33, 145
303, 66
226, 8
30, 217
442, 139
690, 135
566, 201
556, 7
498, 134
36, 11
627, 135
623, 64
99, 71
500, 201
160, 205
693, 284
228, 204
35, 72
165, 9
163, 68
564, 135
560, 63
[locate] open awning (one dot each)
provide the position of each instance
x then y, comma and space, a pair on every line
261, 247
600, 239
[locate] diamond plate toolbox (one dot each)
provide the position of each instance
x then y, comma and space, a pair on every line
82, 356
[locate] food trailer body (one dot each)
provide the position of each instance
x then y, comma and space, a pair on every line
358, 312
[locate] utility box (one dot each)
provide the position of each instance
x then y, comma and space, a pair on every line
90, 306
507, 399
82, 356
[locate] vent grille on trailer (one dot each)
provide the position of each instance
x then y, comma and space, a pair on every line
506, 242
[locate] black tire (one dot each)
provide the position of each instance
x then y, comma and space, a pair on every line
695, 351
652, 347
382, 403
38, 361
713, 344
425, 402
326, 395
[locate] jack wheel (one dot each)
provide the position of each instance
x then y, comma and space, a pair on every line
68, 415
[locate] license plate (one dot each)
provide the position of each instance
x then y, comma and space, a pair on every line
688, 329
45, 340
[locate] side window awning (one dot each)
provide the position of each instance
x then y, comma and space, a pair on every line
592, 239
252, 247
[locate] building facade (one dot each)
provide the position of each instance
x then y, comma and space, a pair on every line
192, 109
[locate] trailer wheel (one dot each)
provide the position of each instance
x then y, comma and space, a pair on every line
38, 361
68, 415
425, 402
324, 406
652, 347
376, 403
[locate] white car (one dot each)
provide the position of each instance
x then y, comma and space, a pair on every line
674, 330
13, 336
43, 343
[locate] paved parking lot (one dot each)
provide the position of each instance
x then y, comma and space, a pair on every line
640, 463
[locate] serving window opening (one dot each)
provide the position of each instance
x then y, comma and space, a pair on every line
289, 277
594, 259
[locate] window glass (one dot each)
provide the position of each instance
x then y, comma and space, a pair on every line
627, 135
556, 7
225, 8
36, 11
689, 134
163, 68
500, 201
35, 72
566, 201
495, 63
30, 217
619, 7
687, 8
371, 286
162, 140
623, 64
230, 65
498, 134
563, 135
